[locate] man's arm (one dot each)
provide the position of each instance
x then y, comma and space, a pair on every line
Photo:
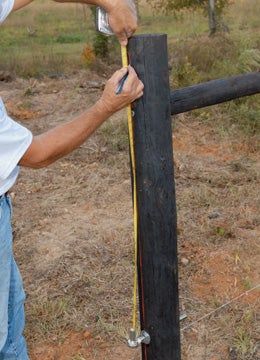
54, 144
18, 4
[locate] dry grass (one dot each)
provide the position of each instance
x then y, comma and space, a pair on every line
77, 257
73, 221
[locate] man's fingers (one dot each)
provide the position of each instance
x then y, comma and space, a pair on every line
124, 34
132, 81
122, 37
123, 41
132, 74
140, 87
132, 87
119, 31
129, 32
123, 19
118, 75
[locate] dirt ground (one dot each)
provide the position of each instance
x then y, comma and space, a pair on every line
73, 233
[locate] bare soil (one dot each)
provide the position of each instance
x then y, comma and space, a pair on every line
73, 233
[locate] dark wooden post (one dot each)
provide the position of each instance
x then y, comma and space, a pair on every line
157, 230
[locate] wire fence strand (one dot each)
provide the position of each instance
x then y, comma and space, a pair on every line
219, 308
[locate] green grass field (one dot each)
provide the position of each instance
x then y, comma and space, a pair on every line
48, 38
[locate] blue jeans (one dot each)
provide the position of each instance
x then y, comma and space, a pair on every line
12, 296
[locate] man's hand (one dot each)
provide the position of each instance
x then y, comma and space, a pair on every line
122, 16
132, 90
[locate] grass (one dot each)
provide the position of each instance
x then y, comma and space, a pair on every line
42, 35
49, 317
42, 40
114, 136
90, 285
78, 357
243, 342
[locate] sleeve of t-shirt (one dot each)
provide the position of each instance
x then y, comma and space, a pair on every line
6, 7
15, 139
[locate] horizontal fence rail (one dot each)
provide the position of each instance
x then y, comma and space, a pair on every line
214, 92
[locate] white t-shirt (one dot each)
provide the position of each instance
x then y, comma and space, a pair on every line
14, 138
6, 7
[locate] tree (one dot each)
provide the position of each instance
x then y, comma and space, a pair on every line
212, 16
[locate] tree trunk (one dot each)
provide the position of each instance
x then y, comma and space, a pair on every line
212, 17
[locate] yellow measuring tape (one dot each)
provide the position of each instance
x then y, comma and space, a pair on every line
133, 163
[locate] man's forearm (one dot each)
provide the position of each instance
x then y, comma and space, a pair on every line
18, 4
106, 4
58, 142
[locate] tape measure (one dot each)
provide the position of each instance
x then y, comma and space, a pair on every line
135, 212
104, 27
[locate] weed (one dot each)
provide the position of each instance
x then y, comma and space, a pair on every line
69, 38
243, 342
220, 231
244, 114
247, 283
183, 74
108, 327
49, 316
249, 60
224, 232
88, 56
115, 136
100, 45
78, 357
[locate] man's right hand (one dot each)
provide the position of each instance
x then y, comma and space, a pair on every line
122, 18
133, 88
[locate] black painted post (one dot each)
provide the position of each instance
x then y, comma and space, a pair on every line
157, 230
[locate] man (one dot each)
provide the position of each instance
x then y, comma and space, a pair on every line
18, 147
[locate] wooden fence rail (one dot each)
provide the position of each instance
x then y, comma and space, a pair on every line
214, 92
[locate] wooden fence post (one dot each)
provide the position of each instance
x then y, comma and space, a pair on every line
157, 228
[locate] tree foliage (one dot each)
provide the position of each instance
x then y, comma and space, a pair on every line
177, 5
100, 41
